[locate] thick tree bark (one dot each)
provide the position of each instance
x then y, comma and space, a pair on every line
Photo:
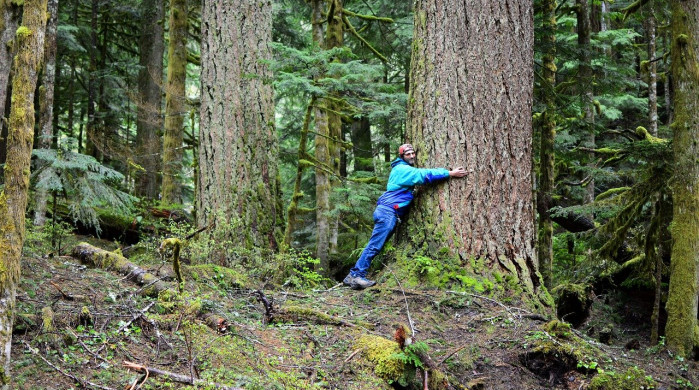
46, 102
150, 77
238, 180
175, 103
13, 198
546, 159
681, 328
470, 104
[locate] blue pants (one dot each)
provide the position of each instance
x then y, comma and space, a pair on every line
385, 220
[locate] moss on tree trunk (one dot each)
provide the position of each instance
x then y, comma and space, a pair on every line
175, 103
681, 325
13, 198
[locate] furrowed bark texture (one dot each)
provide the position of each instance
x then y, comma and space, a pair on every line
546, 150
237, 141
150, 77
175, 104
46, 102
471, 105
652, 76
13, 199
586, 94
681, 330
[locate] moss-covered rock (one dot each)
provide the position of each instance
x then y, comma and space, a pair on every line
386, 356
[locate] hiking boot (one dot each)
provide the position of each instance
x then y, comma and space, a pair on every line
360, 283
348, 280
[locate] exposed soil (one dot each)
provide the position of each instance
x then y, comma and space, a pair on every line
478, 342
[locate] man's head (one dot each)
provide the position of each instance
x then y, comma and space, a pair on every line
407, 153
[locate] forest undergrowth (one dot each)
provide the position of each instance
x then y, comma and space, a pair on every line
76, 326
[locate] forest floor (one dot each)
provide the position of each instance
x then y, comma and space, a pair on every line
320, 343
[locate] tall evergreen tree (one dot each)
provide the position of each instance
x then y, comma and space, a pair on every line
238, 181
470, 103
9, 16
149, 98
13, 198
681, 328
175, 105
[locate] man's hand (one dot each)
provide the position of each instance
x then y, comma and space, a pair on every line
458, 172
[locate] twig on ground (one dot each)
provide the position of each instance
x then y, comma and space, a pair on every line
85, 347
452, 354
65, 296
352, 355
82, 382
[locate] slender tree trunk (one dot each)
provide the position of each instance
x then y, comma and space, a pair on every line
667, 84
470, 104
652, 76
303, 163
150, 77
46, 92
175, 103
684, 267
238, 180
585, 83
13, 198
91, 135
548, 134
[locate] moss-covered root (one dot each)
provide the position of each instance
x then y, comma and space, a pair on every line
297, 313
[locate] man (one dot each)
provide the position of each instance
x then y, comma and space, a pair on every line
392, 205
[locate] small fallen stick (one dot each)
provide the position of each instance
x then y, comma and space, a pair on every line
64, 295
139, 315
174, 376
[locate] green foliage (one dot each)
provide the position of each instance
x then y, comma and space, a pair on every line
84, 184
632, 379
300, 268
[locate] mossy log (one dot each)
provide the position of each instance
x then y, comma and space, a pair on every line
101, 258
153, 287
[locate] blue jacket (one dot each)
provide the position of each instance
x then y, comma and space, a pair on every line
402, 181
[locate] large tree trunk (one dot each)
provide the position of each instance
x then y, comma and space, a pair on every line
46, 102
470, 104
150, 77
546, 158
175, 104
681, 325
361, 145
238, 180
13, 198
91, 131
9, 16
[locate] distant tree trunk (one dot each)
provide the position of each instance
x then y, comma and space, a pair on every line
585, 83
483, 122
548, 134
239, 179
148, 118
652, 75
175, 103
667, 83
46, 102
682, 302
361, 145
13, 198
91, 135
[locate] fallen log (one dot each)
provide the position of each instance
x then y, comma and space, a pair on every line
111, 261
175, 377
153, 286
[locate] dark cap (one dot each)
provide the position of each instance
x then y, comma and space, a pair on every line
405, 148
